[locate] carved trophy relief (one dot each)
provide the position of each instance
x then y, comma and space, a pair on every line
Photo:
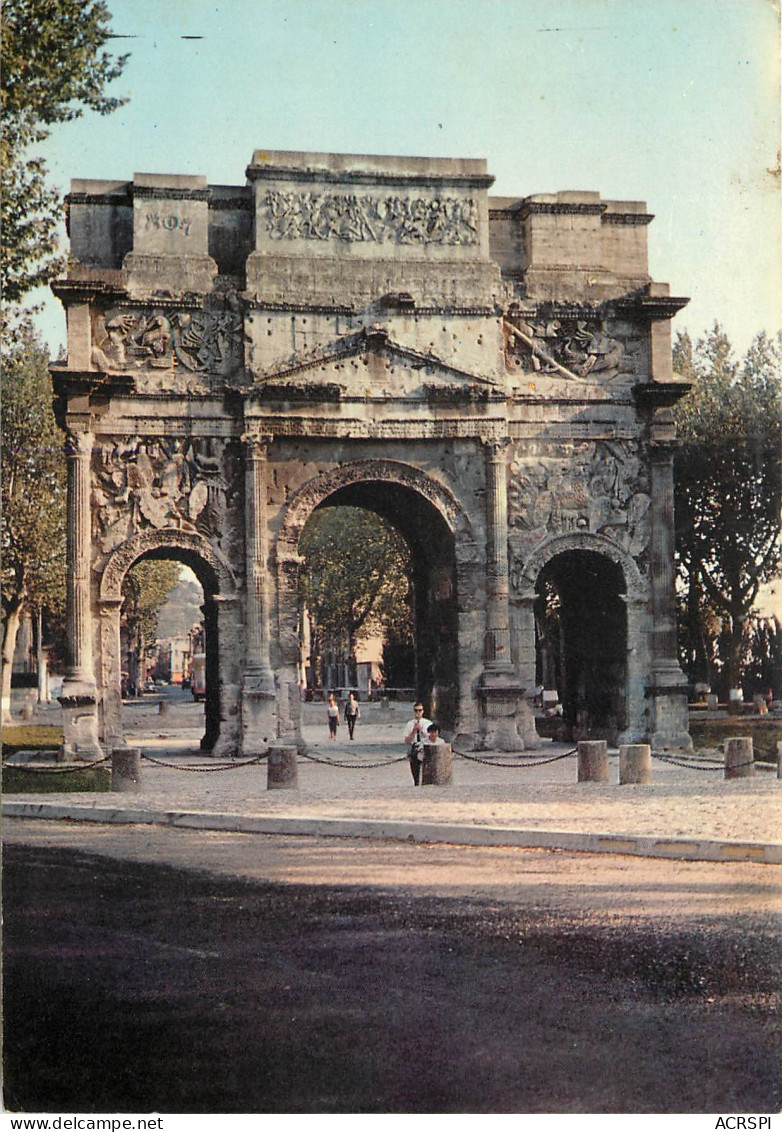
600, 489
353, 218
141, 483
183, 341
575, 349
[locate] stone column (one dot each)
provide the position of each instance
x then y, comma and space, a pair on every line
508, 723
668, 688
79, 692
497, 649
111, 672
258, 723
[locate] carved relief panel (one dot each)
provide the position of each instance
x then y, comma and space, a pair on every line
142, 483
575, 348
355, 218
597, 488
198, 345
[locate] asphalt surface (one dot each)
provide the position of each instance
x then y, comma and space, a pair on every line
175, 971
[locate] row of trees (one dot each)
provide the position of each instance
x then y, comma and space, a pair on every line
729, 508
54, 69
354, 585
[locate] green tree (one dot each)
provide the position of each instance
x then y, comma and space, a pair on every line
355, 579
33, 494
144, 592
728, 492
54, 67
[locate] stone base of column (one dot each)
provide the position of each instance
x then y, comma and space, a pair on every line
258, 714
508, 723
79, 722
670, 714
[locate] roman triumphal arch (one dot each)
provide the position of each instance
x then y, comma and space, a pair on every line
492, 375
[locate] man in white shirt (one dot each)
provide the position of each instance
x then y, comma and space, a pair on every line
416, 734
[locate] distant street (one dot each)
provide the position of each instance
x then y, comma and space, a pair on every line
296, 975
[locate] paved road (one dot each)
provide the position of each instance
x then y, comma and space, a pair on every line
170, 970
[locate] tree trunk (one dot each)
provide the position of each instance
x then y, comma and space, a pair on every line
736, 650
12, 623
352, 660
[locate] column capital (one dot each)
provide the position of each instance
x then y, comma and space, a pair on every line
494, 446
78, 440
256, 444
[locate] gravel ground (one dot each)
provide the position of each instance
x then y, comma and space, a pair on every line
681, 802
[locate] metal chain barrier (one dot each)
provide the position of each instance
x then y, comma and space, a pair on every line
353, 766
515, 766
686, 765
208, 768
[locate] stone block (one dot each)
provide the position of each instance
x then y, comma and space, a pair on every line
282, 768
635, 764
437, 765
126, 770
739, 758
592, 760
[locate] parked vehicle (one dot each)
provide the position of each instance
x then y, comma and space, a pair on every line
198, 676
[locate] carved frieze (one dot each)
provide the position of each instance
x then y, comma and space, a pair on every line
597, 488
352, 218
199, 342
141, 483
574, 348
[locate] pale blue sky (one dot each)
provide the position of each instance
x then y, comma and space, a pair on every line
675, 102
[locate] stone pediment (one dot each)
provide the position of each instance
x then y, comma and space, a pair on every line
370, 363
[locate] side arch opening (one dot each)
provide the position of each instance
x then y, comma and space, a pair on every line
217, 585
581, 642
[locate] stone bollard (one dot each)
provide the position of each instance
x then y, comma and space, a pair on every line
282, 772
635, 764
126, 770
162, 707
779, 758
592, 760
739, 760
437, 767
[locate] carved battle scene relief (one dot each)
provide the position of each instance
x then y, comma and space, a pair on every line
601, 489
163, 483
187, 342
571, 348
396, 220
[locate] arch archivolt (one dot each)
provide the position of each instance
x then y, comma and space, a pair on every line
524, 576
318, 489
190, 547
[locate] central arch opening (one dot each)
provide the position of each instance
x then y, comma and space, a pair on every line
581, 642
430, 590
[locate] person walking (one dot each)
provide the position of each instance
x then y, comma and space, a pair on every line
416, 734
332, 711
352, 713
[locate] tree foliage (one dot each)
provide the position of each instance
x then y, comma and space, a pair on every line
54, 67
355, 578
728, 492
33, 492
34, 481
144, 592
